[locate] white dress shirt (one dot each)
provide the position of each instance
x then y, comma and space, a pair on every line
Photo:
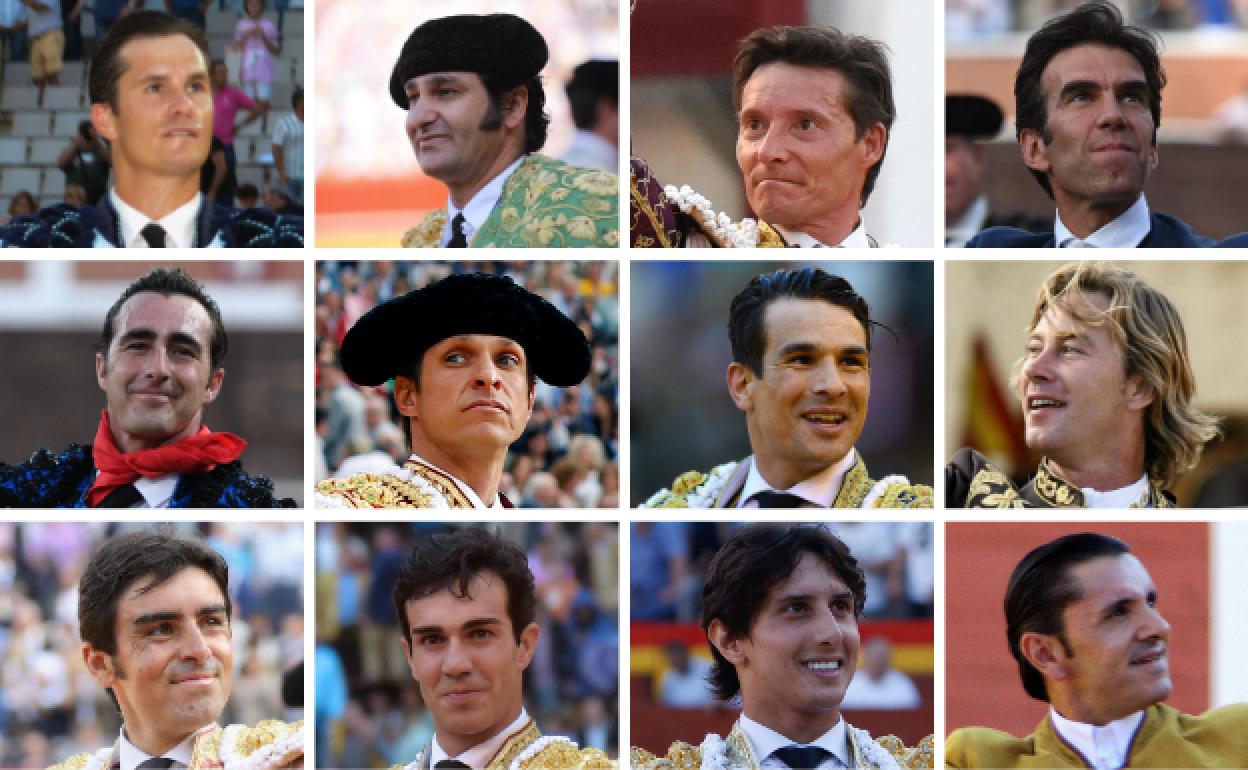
478, 208
967, 225
1123, 232
157, 492
857, 239
478, 756
463, 487
765, 741
1106, 746
819, 490
179, 224
131, 756
1124, 497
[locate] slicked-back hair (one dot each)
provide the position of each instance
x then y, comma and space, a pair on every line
108, 65
450, 560
863, 63
747, 315
536, 119
168, 282
1097, 23
1148, 329
147, 556
746, 569
1040, 590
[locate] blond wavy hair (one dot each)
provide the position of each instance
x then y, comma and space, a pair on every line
1147, 327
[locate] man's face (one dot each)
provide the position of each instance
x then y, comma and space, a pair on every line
465, 656
807, 409
163, 123
474, 397
1118, 661
1078, 402
157, 373
1101, 150
965, 161
800, 160
172, 671
801, 651
445, 114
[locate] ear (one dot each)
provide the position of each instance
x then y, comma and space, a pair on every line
740, 377
101, 370
873, 143
214, 385
1140, 392
528, 645
1035, 151
99, 665
407, 655
104, 120
514, 107
1045, 652
1153, 158
730, 646
407, 397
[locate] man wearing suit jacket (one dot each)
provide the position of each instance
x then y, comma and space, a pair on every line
1088, 104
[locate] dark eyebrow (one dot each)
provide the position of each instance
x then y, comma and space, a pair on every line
469, 625
164, 616
136, 334
182, 338
1077, 85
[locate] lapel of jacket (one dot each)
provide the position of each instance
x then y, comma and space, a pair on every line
727, 497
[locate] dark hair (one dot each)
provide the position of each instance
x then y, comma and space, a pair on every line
247, 190
860, 60
591, 82
1041, 588
746, 316
24, 195
296, 96
123, 560
107, 66
750, 564
536, 121
450, 560
1092, 23
168, 282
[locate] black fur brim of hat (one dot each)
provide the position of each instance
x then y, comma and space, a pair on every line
388, 339
971, 115
498, 44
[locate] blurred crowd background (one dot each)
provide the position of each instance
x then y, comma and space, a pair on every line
369, 711
668, 561
566, 458
51, 708
682, 416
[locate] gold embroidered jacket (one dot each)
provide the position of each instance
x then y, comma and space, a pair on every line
736, 753
270, 744
415, 485
1166, 738
971, 481
545, 203
528, 749
720, 488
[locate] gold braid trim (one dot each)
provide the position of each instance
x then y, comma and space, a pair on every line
513, 746
642, 205
1054, 490
854, 487
902, 495
427, 234
990, 488
920, 757
768, 238
375, 490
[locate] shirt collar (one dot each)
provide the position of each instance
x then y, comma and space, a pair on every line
480, 755
1105, 746
179, 224
468, 491
132, 756
857, 239
765, 741
967, 225
157, 492
1123, 232
819, 489
478, 208
1116, 498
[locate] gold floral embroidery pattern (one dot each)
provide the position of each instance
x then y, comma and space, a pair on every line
991, 489
768, 238
1053, 490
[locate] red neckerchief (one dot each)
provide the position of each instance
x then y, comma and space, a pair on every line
199, 453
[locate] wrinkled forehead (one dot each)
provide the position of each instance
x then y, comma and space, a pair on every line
781, 86
167, 54
164, 314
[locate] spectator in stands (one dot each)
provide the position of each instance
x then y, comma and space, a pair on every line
86, 162
257, 38
659, 560
288, 147
71, 22
75, 195
248, 196
22, 205
594, 95
684, 684
150, 100
191, 10
13, 28
226, 103
279, 201
47, 42
878, 685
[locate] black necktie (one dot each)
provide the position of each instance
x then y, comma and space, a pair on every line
451, 764
125, 496
154, 234
156, 763
801, 757
458, 241
770, 499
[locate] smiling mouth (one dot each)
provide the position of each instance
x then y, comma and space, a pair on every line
1034, 404
820, 418
1149, 658
824, 667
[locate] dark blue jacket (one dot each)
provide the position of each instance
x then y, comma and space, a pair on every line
1166, 233
1236, 241
64, 227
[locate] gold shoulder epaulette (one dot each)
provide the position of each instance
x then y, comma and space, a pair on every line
427, 234
680, 756
905, 495
375, 490
80, 761
563, 755
919, 757
269, 744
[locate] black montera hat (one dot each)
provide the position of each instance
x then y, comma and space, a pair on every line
971, 115
500, 44
393, 335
